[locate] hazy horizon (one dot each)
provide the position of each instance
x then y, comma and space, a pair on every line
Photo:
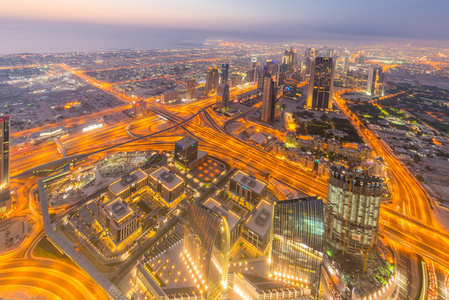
25, 36
77, 26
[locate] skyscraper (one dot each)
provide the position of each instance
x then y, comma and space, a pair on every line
252, 73
321, 84
211, 81
346, 62
375, 81
297, 241
223, 92
272, 69
190, 89
353, 203
5, 197
309, 56
206, 249
224, 73
268, 99
288, 60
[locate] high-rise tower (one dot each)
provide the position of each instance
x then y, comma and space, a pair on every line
211, 81
375, 81
321, 84
298, 240
346, 62
5, 197
190, 89
309, 56
252, 73
206, 249
223, 92
268, 99
224, 73
353, 204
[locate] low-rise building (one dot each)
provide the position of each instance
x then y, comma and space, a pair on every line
167, 184
169, 96
247, 187
118, 219
128, 184
256, 229
139, 108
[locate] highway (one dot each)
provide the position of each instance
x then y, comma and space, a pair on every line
158, 130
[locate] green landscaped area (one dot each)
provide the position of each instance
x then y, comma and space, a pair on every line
46, 249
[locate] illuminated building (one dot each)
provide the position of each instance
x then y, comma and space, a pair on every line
93, 126
247, 187
251, 287
187, 155
223, 92
169, 96
234, 221
211, 81
167, 184
353, 203
268, 100
272, 69
346, 61
44, 135
118, 219
286, 69
5, 197
253, 71
206, 248
128, 184
224, 73
256, 230
297, 241
309, 56
235, 80
190, 89
375, 81
321, 84
139, 108
291, 91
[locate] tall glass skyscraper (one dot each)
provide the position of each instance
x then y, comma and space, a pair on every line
206, 249
297, 245
268, 99
321, 84
5, 198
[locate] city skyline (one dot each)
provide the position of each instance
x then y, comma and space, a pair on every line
234, 151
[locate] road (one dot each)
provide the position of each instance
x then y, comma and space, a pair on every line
421, 235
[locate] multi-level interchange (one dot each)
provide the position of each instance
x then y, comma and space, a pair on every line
236, 172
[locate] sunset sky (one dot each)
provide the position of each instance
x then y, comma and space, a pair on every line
22, 20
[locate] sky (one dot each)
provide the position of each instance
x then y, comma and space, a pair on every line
102, 21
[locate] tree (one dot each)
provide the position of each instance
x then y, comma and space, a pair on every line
324, 118
428, 168
416, 158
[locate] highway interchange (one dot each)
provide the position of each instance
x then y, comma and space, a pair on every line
412, 226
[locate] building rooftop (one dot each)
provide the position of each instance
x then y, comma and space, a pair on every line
231, 217
186, 142
168, 178
127, 181
260, 220
118, 209
250, 182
